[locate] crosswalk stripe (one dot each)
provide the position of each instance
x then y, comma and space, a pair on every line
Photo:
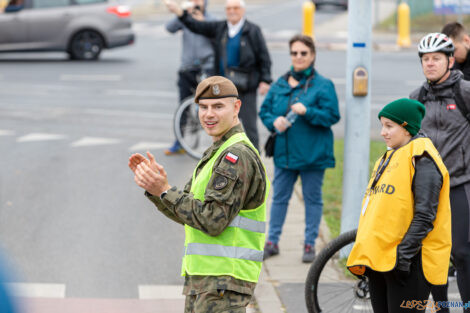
73, 77
30, 290
39, 137
145, 145
160, 292
94, 141
93, 305
141, 93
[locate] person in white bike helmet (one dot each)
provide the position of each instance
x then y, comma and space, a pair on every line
446, 96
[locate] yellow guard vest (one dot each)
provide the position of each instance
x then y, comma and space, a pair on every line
389, 212
238, 250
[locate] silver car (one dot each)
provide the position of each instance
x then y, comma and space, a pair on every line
82, 28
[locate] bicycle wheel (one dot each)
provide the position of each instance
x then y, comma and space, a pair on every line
330, 287
188, 129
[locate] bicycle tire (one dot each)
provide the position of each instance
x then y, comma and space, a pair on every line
188, 130
354, 291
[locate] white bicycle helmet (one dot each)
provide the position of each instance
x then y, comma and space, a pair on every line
436, 42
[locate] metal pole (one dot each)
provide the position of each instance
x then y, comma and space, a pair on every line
376, 13
357, 128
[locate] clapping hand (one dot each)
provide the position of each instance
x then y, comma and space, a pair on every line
148, 174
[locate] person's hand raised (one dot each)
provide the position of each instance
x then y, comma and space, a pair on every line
174, 7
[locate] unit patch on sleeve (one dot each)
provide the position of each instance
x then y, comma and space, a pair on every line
220, 182
232, 158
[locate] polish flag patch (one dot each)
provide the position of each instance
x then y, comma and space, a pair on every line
232, 158
451, 107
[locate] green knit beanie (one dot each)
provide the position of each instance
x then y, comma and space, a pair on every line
405, 112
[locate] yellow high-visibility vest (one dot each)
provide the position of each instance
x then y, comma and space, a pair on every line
387, 212
238, 250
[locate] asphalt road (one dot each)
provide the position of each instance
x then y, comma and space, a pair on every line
70, 213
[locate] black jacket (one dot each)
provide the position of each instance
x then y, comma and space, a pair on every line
464, 67
427, 184
254, 55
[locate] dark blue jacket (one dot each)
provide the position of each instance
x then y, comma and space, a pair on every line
308, 143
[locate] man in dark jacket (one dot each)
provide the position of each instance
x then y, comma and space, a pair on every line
449, 130
240, 55
461, 40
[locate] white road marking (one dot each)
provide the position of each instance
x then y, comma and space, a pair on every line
83, 77
39, 137
147, 145
94, 141
28, 290
4, 132
141, 93
160, 292
129, 113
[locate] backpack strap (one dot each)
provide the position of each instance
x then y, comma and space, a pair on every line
460, 102
422, 94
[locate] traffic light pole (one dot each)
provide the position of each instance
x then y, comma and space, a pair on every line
357, 128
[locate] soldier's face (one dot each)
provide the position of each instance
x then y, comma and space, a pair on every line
218, 116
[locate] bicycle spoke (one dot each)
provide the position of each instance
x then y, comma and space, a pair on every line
333, 297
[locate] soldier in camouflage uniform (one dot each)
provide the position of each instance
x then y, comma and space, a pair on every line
236, 188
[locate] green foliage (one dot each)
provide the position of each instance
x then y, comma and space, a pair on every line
333, 184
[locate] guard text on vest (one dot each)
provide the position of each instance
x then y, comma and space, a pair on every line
384, 188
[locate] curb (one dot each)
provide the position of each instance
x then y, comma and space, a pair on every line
273, 273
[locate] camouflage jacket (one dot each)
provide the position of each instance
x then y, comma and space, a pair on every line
243, 188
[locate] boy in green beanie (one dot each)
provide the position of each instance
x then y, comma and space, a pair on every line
404, 237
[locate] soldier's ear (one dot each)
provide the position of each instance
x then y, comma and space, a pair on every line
237, 103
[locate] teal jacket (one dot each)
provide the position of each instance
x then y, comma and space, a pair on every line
308, 143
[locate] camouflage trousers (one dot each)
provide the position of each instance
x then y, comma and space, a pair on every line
217, 301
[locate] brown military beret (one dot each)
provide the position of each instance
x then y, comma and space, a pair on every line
215, 87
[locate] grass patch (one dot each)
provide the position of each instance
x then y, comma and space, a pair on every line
426, 23
333, 184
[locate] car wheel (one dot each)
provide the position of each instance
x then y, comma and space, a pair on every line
86, 45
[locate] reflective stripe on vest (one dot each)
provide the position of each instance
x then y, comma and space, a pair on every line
248, 224
224, 251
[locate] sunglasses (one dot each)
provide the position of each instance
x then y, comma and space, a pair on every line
302, 53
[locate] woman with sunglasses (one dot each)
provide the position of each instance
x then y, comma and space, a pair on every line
404, 237
300, 107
